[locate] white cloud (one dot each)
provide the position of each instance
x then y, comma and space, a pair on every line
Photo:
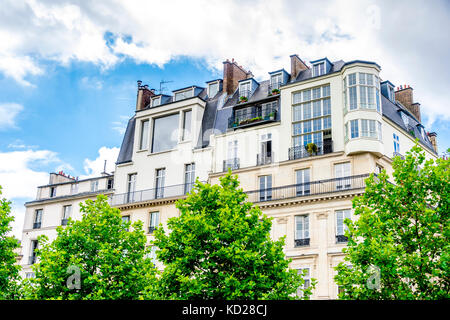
260, 35
91, 83
8, 114
95, 167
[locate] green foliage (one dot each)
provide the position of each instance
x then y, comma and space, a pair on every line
220, 248
403, 229
311, 148
112, 261
9, 270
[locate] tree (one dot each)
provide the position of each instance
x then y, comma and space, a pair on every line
220, 248
9, 270
399, 246
94, 258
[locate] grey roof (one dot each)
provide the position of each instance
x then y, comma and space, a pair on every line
392, 111
258, 95
126, 149
307, 74
209, 116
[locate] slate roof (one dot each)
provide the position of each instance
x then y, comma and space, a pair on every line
126, 149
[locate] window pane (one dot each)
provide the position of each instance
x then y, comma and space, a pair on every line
187, 125
165, 133
352, 97
326, 107
306, 111
297, 113
144, 135
317, 108
354, 128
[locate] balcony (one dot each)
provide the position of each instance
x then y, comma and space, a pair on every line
36, 225
396, 154
253, 115
244, 93
274, 88
340, 238
301, 242
318, 187
264, 158
64, 222
300, 152
232, 164
151, 229
150, 194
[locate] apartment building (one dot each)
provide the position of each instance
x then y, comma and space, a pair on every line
301, 142
55, 203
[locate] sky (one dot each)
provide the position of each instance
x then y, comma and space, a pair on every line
68, 69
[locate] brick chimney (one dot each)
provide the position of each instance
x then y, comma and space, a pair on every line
404, 95
232, 73
432, 136
297, 65
143, 95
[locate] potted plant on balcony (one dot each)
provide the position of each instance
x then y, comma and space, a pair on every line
243, 99
311, 148
275, 91
272, 115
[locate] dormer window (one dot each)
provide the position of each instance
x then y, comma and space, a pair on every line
184, 94
213, 88
245, 89
276, 80
156, 101
405, 118
319, 69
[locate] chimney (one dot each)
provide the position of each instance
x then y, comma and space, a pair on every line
232, 73
404, 95
297, 65
432, 136
143, 95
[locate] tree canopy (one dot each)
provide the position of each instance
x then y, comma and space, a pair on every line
220, 248
399, 245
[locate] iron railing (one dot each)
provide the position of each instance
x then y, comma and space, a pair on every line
232, 164
301, 242
340, 238
36, 225
64, 222
274, 86
31, 259
264, 158
299, 152
151, 229
150, 194
395, 154
253, 114
309, 188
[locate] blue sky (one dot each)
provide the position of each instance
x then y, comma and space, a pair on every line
68, 69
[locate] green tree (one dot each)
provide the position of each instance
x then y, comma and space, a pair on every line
109, 261
399, 246
9, 270
220, 248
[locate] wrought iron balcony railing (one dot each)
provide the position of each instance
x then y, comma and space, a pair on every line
252, 115
232, 164
395, 154
299, 152
64, 222
301, 242
264, 158
150, 194
340, 238
318, 187
151, 229
36, 225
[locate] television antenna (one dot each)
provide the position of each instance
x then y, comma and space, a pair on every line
161, 88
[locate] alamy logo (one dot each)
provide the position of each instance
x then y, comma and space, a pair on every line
373, 282
74, 280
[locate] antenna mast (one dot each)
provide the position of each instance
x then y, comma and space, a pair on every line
161, 88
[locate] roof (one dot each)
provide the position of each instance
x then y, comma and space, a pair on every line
126, 149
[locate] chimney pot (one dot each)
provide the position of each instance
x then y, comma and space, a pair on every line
139, 82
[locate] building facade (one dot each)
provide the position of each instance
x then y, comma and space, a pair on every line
301, 142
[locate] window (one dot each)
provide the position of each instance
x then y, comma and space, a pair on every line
378, 169
154, 221
265, 188
276, 80
342, 174
37, 219
67, 210
131, 186
266, 149
232, 149
30, 275
184, 94
74, 188
302, 230
125, 220
367, 90
189, 177
405, 119
213, 88
94, 186
326, 91
152, 254
144, 135
186, 134
354, 129
306, 275
302, 180
244, 89
33, 248
160, 178
326, 107
165, 133
110, 184
52, 192
318, 69
396, 143
341, 227
156, 101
